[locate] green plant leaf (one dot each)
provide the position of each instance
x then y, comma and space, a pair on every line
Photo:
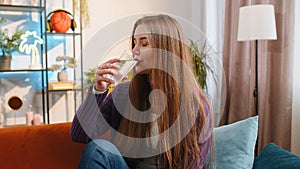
90, 74
68, 62
8, 44
199, 56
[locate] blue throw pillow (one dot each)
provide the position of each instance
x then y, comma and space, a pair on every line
235, 144
274, 157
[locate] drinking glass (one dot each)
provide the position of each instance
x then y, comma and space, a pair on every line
126, 64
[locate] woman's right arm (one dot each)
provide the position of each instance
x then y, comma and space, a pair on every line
89, 122
85, 125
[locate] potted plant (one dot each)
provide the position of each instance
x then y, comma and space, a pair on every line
199, 58
90, 76
8, 45
68, 62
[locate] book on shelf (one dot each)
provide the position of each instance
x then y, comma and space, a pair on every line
62, 85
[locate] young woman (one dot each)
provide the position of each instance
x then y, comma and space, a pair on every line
160, 119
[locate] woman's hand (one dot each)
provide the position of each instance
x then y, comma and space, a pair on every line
102, 82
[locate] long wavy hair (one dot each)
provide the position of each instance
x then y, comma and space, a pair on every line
183, 98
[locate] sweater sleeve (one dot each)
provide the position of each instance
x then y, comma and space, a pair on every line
205, 137
89, 123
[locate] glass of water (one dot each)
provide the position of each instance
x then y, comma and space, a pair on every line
126, 65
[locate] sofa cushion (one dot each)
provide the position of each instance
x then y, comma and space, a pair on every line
43, 146
235, 144
274, 157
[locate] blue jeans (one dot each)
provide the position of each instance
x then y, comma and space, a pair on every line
101, 154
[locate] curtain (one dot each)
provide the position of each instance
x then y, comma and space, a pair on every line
295, 146
275, 74
214, 33
208, 17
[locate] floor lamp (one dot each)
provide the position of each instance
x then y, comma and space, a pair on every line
256, 22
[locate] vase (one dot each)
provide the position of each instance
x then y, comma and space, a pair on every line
62, 76
5, 62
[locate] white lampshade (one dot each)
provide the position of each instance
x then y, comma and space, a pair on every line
257, 22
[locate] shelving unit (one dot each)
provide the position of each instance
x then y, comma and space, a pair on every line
74, 37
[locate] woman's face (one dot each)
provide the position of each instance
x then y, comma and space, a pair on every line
142, 50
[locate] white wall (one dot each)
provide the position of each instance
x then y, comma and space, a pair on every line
112, 21
295, 147
104, 13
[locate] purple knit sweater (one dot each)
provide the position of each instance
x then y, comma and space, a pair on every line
97, 114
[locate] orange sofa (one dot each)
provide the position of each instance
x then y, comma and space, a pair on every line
39, 147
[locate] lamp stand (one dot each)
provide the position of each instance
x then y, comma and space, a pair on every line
255, 92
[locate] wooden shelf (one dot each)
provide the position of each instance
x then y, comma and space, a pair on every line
21, 8
65, 90
55, 86
23, 70
64, 34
